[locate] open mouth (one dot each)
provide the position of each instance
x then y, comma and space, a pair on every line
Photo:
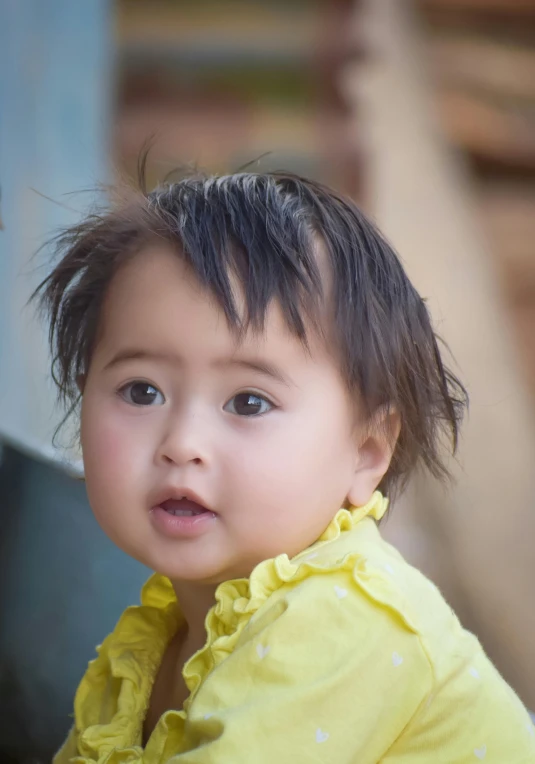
179, 514
183, 507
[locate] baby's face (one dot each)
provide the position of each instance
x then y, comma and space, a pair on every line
204, 455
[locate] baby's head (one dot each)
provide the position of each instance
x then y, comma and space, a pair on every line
250, 357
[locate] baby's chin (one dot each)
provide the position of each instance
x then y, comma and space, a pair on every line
199, 574
209, 574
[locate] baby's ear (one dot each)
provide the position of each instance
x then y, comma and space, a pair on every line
80, 382
374, 454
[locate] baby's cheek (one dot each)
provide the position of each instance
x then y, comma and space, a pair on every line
109, 449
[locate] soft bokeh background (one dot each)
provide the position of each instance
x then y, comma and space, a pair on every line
424, 112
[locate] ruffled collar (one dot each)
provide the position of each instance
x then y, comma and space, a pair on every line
134, 651
158, 591
346, 519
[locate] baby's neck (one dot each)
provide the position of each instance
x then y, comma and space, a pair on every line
195, 601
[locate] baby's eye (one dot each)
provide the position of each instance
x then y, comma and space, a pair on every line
248, 404
141, 394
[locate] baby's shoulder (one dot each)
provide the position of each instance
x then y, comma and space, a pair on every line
353, 584
397, 620
373, 570
361, 583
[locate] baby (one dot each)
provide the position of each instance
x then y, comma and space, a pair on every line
256, 375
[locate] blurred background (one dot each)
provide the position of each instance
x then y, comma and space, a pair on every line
424, 112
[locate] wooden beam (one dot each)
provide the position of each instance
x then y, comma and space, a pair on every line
482, 64
488, 130
475, 540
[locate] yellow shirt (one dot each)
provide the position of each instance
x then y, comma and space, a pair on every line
343, 655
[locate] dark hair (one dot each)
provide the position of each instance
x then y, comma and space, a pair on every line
265, 229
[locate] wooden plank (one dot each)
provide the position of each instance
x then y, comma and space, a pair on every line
518, 8
232, 23
485, 64
508, 215
234, 30
487, 131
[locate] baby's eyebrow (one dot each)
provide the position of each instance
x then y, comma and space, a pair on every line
252, 364
133, 354
258, 365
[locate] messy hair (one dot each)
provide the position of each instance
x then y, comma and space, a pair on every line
264, 229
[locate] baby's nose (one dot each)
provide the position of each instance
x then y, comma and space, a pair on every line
185, 441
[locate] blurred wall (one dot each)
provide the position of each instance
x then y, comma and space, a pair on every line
55, 94
55, 563
481, 63
219, 83
214, 82
475, 539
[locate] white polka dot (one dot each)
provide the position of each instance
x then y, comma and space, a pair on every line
389, 569
208, 716
474, 672
340, 592
311, 556
530, 728
321, 736
397, 659
262, 651
480, 753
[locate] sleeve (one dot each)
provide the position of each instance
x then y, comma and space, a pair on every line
68, 750
328, 675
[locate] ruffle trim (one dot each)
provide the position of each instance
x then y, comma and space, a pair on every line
133, 652
238, 600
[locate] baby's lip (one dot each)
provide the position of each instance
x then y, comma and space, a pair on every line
184, 507
175, 494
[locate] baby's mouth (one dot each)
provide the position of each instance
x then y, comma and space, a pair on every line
183, 507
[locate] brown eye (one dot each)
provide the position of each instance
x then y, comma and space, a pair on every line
248, 404
141, 394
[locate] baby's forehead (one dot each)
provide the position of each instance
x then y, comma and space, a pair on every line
157, 299
249, 306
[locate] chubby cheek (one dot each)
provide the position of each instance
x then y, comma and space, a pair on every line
113, 458
293, 484
313, 452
